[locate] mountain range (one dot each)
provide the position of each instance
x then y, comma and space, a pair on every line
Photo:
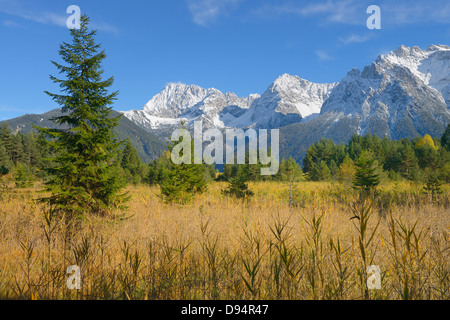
288, 100
402, 94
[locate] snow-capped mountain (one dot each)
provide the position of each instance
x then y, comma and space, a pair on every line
402, 94
288, 100
431, 66
180, 102
405, 93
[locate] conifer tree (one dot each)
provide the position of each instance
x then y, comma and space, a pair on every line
367, 176
333, 169
408, 161
18, 155
23, 176
3, 156
445, 140
321, 172
238, 186
182, 181
158, 168
85, 175
346, 171
433, 185
132, 163
294, 170
6, 138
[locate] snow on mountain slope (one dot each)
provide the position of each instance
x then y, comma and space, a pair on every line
212, 108
180, 102
288, 100
175, 99
150, 122
431, 66
395, 96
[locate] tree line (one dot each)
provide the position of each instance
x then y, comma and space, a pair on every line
27, 155
413, 159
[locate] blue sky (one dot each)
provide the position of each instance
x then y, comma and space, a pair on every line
240, 46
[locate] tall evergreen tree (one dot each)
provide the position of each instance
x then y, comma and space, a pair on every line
238, 186
6, 138
3, 155
18, 155
182, 181
85, 175
321, 172
4, 159
132, 163
445, 140
408, 161
158, 168
367, 176
294, 169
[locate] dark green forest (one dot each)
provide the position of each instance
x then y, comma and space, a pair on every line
26, 155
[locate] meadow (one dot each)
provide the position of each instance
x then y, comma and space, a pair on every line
314, 241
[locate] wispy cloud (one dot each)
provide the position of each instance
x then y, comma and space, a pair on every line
413, 12
9, 23
205, 12
323, 55
352, 12
353, 38
338, 11
14, 8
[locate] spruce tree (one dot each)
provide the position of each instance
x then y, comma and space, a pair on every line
433, 185
367, 176
84, 178
238, 186
294, 170
182, 181
23, 176
18, 155
445, 140
3, 156
408, 162
7, 140
334, 169
132, 164
158, 168
321, 172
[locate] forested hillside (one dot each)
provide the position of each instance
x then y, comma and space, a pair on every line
148, 146
26, 157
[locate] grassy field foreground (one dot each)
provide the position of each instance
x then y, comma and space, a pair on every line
319, 247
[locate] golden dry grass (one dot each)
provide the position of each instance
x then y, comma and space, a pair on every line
222, 248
